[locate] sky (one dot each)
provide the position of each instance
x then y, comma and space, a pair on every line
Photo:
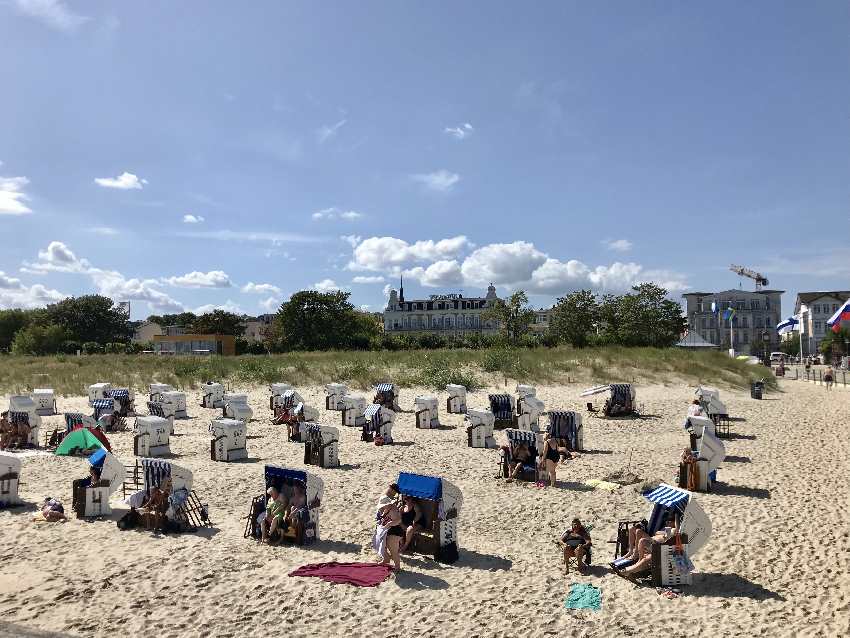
202, 155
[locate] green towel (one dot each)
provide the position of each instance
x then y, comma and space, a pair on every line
584, 597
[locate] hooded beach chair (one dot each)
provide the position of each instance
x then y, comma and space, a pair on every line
173, 403
529, 409
10, 476
212, 395
522, 392
386, 394
277, 390
151, 436
321, 445
228, 441
158, 388
335, 396
22, 409
45, 401
694, 531
503, 406
708, 451
714, 409
479, 432
620, 401
353, 409
426, 412
305, 529
530, 470
378, 424
185, 510
236, 407
456, 401
163, 410
99, 391
125, 398
566, 425
440, 502
93, 500
73, 421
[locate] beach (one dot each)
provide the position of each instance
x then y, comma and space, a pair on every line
777, 562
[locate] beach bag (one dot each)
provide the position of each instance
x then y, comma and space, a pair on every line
130, 520
379, 440
682, 565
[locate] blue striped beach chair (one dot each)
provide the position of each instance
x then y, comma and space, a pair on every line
567, 426
530, 470
304, 529
502, 406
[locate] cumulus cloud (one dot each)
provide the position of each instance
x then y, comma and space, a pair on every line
53, 13
227, 306
327, 132
384, 253
270, 304
378, 279
440, 273
196, 279
351, 240
335, 213
192, 219
459, 132
326, 285
125, 181
617, 245
261, 289
259, 236
441, 181
506, 264
14, 294
12, 196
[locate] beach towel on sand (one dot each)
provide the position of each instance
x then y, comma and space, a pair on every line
584, 597
603, 485
359, 574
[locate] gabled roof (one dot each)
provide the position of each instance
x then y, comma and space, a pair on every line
809, 297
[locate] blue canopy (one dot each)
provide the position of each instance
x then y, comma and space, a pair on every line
97, 458
419, 486
668, 497
274, 472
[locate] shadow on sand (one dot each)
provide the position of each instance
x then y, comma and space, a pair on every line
730, 586
415, 580
724, 489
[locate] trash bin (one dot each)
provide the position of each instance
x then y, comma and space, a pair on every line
756, 389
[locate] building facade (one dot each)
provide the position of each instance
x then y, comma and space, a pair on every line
256, 328
753, 326
442, 314
817, 307
146, 331
540, 324
194, 344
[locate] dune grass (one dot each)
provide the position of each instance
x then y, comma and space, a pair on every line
70, 375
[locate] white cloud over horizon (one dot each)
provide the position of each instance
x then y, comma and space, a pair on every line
377, 279
617, 245
335, 213
383, 253
227, 306
261, 289
12, 196
197, 279
14, 294
192, 219
326, 285
441, 181
461, 131
125, 181
54, 13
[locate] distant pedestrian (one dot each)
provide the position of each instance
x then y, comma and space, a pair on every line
828, 378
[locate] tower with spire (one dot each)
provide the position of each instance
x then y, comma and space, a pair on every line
401, 289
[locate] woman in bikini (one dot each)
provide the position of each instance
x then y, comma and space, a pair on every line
412, 520
391, 517
551, 456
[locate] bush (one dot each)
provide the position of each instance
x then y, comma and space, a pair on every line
70, 347
116, 348
92, 347
436, 372
39, 340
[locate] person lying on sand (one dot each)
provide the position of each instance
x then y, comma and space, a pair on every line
52, 510
576, 542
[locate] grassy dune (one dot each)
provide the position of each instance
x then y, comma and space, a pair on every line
70, 375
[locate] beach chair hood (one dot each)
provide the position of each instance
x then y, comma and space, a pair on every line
111, 469
447, 496
314, 486
693, 520
9, 464
155, 470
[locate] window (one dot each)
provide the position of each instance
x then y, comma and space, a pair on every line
818, 327
755, 304
745, 322
746, 337
834, 308
816, 308
704, 323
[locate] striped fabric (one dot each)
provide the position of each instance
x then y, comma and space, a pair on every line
562, 425
313, 428
621, 393
102, 406
287, 399
19, 418
669, 497
373, 416
521, 436
72, 420
384, 387
155, 471
500, 406
155, 409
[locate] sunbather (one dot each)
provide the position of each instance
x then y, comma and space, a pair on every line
390, 517
576, 544
642, 549
296, 512
521, 456
274, 509
277, 513
52, 510
156, 506
551, 456
412, 520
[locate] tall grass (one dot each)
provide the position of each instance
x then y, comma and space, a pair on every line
430, 368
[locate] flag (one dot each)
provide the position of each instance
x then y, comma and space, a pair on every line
842, 314
713, 308
789, 325
728, 314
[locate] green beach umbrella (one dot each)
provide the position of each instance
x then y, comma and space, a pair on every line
77, 442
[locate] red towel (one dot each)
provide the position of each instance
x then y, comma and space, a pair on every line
359, 574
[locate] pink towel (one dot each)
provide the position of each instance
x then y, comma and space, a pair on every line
359, 574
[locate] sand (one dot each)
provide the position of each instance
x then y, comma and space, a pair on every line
777, 562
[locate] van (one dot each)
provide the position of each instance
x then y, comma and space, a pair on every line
776, 357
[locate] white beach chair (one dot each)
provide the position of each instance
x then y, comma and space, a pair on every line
10, 476
93, 500
99, 391
236, 407
456, 402
335, 396
479, 432
212, 395
441, 503
151, 436
321, 445
378, 424
305, 531
427, 417
178, 400
709, 451
45, 401
529, 409
530, 470
23, 404
277, 390
353, 409
228, 441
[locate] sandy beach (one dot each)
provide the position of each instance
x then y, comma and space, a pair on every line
778, 561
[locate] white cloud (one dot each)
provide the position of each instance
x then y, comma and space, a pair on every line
250, 236
327, 132
335, 213
192, 219
54, 13
459, 132
227, 306
270, 304
351, 240
382, 253
261, 289
14, 294
440, 181
12, 196
364, 307
505, 264
326, 285
125, 181
368, 280
196, 279
440, 273
617, 245
104, 230
387, 290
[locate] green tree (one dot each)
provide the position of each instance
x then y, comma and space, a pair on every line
514, 315
90, 318
835, 343
182, 319
11, 321
574, 318
791, 346
313, 320
643, 317
219, 322
39, 340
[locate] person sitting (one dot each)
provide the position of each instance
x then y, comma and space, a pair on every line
390, 519
156, 506
520, 458
109, 422
297, 512
641, 548
78, 488
695, 409
8, 433
551, 456
52, 510
412, 520
274, 511
576, 545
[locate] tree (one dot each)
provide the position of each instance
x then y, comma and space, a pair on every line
11, 321
574, 318
313, 320
218, 322
182, 319
643, 317
791, 346
513, 315
90, 318
39, 340
835, 343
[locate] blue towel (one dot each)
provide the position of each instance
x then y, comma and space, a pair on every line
584, 597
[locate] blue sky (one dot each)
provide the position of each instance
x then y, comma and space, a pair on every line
209, 154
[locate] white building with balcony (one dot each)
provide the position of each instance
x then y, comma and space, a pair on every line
441, 314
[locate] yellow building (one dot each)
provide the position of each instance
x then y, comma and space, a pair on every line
195, 344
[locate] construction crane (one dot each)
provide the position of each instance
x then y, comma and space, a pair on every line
760, 279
